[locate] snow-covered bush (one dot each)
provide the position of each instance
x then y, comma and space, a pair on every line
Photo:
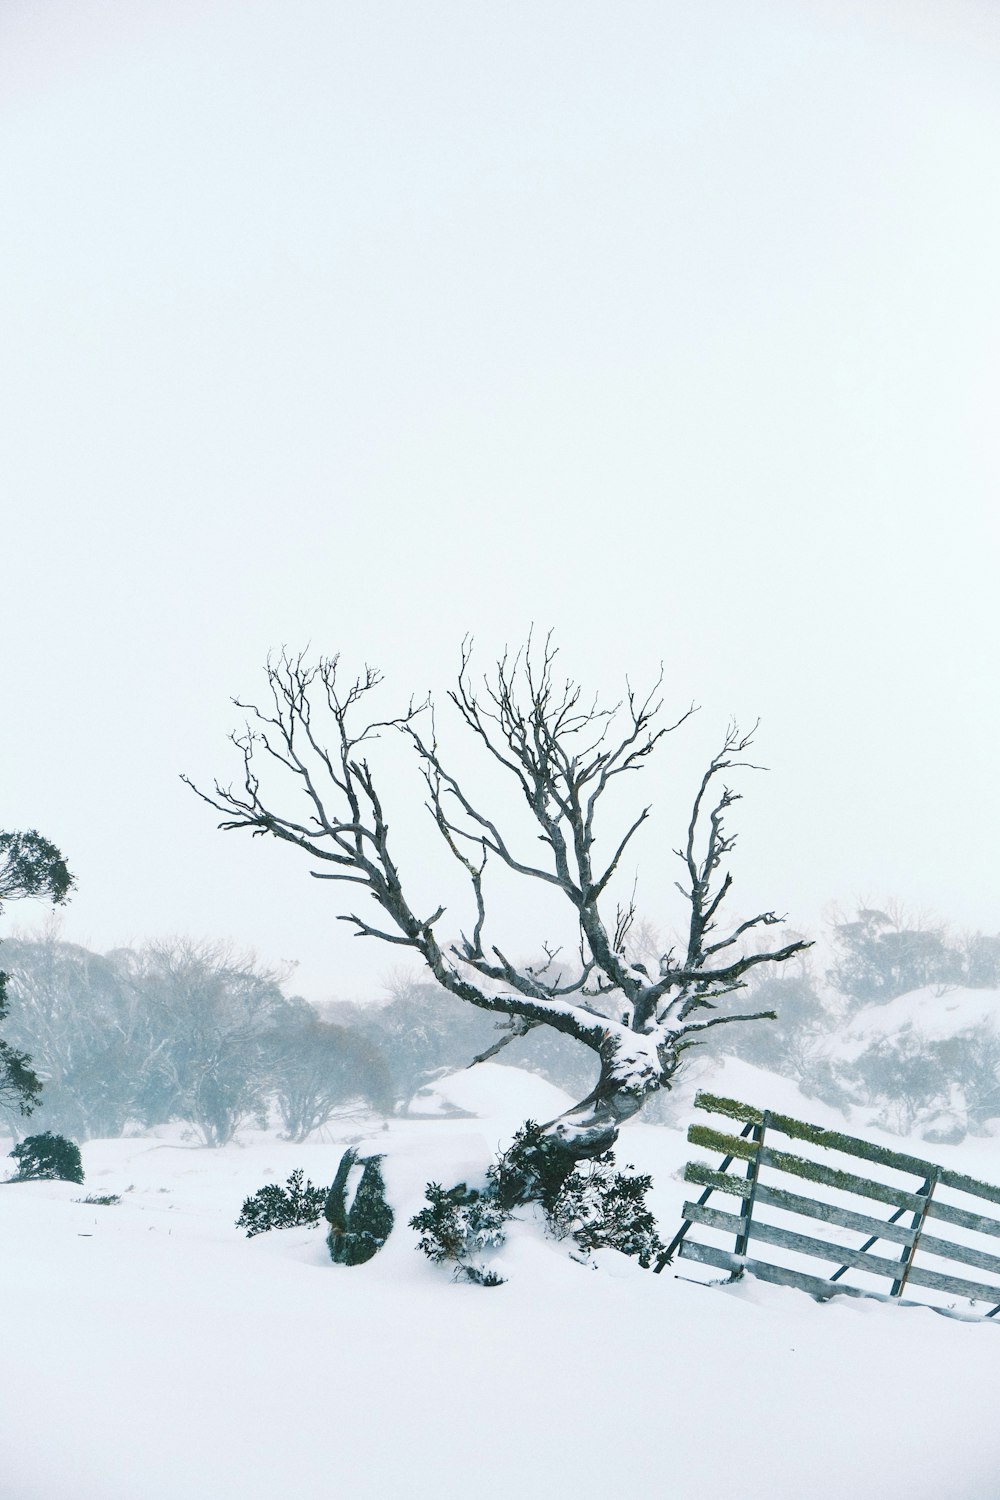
47, 1156
274, 1207
589, 1202
599, 1207
459, 1225
359, 1232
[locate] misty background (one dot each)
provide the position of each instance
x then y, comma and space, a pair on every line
671, 327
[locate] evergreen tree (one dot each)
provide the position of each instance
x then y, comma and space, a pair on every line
49, 1157
30, 866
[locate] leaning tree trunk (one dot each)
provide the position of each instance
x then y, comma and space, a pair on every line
632, 1067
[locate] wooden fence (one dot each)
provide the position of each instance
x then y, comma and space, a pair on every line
918, 1258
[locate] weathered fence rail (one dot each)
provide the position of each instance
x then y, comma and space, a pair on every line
923, 1205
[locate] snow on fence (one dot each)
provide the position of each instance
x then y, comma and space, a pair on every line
940, 1195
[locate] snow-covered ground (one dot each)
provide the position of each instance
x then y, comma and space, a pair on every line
151, 1352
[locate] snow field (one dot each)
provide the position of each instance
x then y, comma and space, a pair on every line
153, 1353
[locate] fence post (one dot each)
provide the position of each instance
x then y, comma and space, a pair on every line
753, 1172
668, 1254
909, 1251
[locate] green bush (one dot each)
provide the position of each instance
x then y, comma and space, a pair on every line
533, 1169
273, 1207
589, 1202
47, 1157
358, 1233
459, 1224
600, 1208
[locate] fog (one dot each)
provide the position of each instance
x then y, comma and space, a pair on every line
672, 328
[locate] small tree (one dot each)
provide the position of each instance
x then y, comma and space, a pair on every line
882, 954
30, 866
83, 1020
562, 757
320, 1069
217, 1016
48, 1157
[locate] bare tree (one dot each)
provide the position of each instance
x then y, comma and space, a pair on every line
563, 755
216, 1017
320, 1070
83, 1021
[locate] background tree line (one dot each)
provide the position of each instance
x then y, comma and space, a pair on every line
185, 1031
913, 1078
177, 1031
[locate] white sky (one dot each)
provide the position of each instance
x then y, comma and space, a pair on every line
673, 326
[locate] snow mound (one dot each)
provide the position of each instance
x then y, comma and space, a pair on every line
491, 1091
735, 1079
934, 1013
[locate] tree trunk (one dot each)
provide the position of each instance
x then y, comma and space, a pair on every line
632, 1068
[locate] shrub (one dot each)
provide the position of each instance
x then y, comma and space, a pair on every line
533, 1169
288, 1207
47, 1157
100, 1200
358, 1233
600, 1208
459, 1224
589, 1202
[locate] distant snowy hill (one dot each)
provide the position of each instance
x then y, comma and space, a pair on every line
934, 1013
